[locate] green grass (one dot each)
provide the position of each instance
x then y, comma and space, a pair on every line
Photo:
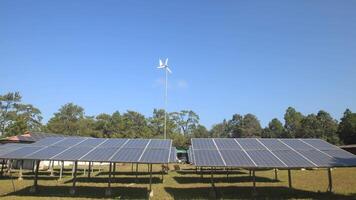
186, 184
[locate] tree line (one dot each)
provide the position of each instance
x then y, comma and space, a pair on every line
17, 117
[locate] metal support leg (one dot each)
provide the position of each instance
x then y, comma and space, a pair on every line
150, 187
2, 168
51, 165
212, 192
330, 188
114, 171
108, 190
290, 178
227, 174
201, 172
89, 169
73, 169
72, 190
136, 171
276, 174
132, 168
33, 189
61, 170
254, 181
20, 171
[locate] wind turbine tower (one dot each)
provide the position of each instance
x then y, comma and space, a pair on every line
167, 70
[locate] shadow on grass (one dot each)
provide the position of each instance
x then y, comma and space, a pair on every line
128, 173
207, 179
144, 180
84, 192
184, 171
247, 193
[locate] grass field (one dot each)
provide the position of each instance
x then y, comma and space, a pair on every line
186, 184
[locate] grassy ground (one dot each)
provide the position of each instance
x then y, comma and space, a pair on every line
186, 184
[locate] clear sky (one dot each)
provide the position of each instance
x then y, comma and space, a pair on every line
226, 56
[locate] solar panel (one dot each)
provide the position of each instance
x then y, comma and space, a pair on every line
225, 143
128, 155
93, 149
268, 153
203, 143
173, 156
154, 155
207, 158
236, 158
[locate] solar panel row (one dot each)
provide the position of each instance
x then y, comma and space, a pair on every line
93, 149
268, 153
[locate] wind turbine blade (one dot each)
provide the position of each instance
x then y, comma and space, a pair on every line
169, 70
160, 67
166, 61
160, 62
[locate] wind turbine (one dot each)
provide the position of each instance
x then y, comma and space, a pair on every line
166, 68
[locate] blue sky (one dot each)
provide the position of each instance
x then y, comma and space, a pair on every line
226, 56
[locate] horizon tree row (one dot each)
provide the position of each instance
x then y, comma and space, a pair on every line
17, 117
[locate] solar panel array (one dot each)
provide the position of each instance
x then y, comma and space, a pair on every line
268, 153
92, 149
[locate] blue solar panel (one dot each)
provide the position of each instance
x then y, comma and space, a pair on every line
72, 153
250, 144
342, 156
136, 143
273, 144
48, 141
320, 144
128, 155
265, 158
203, 143
99, 155
320, 159
91, 142
155, 156
225, 143
236, 158
173, 156
297, 144
7, 148
46, 153
292, 159
113, 143
69, 142
22, 152
207, 158
159, 144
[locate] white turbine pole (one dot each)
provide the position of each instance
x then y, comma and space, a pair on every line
165, 107
164, 65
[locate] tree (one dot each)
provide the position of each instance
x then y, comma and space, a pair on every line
186, 120
156, 123
329, 127
274, 130
200, 132
66, 120
220, 130
16, 117
347, 128
292, 123
135, 125
246, 126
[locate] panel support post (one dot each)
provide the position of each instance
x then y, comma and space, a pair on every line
201, 172
227, 174
73, 169
72, 190
89, 169
2, 168
254, 181
51, 165
212, 192
276, 174
330, 188
108, 190
290, 178
20, 171
33, 189
136, 172
150, 194
114, 170
162, 173
61, 170
132, 168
